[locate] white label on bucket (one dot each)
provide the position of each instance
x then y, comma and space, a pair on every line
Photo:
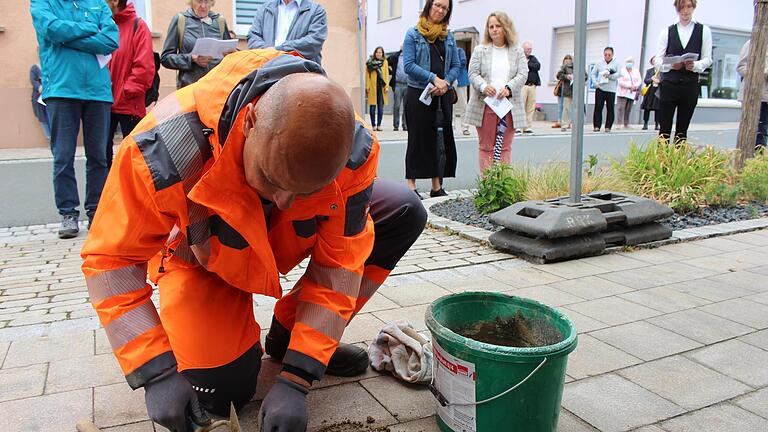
455, 379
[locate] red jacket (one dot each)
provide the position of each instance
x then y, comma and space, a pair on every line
132, 67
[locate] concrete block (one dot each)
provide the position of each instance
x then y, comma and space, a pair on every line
83, 372
349, 402
664, 299
613, 310
718, 418
594, 357
756, 402
408, 401
22, 382
741, 311
117, 404
53, 412
612, 403
684, 382
644, 340
736, 359
700, 326
50, 348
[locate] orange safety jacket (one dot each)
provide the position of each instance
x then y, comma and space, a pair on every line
177, 193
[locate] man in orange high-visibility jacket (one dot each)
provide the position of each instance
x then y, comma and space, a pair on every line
225, 184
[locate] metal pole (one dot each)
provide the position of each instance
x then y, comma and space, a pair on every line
361, 54
641, 64
579, 83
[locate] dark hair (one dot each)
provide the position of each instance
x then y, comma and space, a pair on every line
383, 53
428, 6
608, 48
121, 4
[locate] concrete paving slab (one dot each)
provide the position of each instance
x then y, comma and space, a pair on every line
649, 429
524, 277
718, 418
591, 287
613, 404
22, 382
750, 238
547, 294
413, 294
658, 275
613, 310
568, 422
762, 270
363, 327
758, 339
583, 323
414, 315
428, 424
53, 412
737, 360
83, 372
408, 401
652, 256
572, 269
684, 382
472, 283
645, 341
741, 311
614, 262
759, 298
102, 343
133, 427
756, 402
117, 404
350, 402
3, 351
722, 263
743, 279
594, 357
378, 302
700, 326
722, 244
690, 250
710, 289
46, 349
664, 299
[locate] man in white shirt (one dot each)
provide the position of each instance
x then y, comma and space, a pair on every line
679, 88
290, 25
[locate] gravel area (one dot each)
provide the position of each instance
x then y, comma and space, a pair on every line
463, 210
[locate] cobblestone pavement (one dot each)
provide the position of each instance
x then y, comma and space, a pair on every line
671, 339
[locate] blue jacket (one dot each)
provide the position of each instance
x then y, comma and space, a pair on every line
463, 80
70, 34
416, 58
305, 36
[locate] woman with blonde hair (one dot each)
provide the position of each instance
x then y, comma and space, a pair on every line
498, 68
198, 21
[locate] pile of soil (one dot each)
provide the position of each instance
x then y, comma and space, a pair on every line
514, 331
353, 426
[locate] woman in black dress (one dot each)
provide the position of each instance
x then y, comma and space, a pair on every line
651, 100
430, 56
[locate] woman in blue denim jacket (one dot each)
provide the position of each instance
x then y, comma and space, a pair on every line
430, 57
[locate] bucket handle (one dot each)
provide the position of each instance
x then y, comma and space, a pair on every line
445, 403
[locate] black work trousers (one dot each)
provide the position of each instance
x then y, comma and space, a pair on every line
681, 97
607, 99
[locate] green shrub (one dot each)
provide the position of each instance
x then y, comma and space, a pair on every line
722, 194
501, 187
674, 174
754, 178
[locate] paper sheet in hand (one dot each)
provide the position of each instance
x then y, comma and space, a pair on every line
500, 106
425, 97
679, 59
215, 48
103, 60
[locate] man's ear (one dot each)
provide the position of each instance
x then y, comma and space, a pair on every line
250, 118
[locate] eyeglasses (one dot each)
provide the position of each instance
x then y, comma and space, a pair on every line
441, 7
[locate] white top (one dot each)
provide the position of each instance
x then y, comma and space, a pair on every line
685, 32
499, 67
285, 15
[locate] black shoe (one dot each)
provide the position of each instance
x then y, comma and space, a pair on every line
90, 218
69, 226
395, 129
346, 361
418, 194
405, 129
645, 127
438, 193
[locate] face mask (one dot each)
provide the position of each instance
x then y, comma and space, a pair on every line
629, 65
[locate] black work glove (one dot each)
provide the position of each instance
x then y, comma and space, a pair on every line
285, 407
172, 403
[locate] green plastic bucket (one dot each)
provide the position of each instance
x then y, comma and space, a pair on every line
524, 385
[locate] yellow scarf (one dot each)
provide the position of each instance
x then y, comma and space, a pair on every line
432, 31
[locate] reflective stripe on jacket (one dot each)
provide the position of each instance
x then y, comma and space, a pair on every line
177, 192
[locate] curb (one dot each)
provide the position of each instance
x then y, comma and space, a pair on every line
679, 236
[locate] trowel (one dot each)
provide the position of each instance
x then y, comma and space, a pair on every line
231, 425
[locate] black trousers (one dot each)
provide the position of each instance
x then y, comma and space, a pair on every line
126, 122
603, 98
680, 97
398, 218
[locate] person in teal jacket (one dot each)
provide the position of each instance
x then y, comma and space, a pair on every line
76, 38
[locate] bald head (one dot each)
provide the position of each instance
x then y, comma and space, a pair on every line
301, 136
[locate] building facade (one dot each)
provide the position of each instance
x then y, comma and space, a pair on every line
341, 55
630, 27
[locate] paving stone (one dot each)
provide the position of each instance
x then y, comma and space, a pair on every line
649, 429
363, 327
413, 294
102, 343
54, 412
721, 263
756, 402
583, 323
428, 424
743, 279
710, 289
664, 299
409, 401
761, 298
413, 314
46, 349
47, 318
443, 264
741, 311
482, 283
700, 326
22, 382
721, 243
591, 287
612, 403
547, 294
614, 262
594, 357
613, 310
690, 250
658, 275
644, 340
718, 418
737, 360
571, 269
568, 422
23, 302
761, 270
83, 372
350, 402
684, 382
758, 339
145, 426
378, 302
117, 404
652, 256
524, 277
3, 351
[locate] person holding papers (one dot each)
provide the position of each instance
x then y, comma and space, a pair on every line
498, 69
185, 29
431, 62
679, 88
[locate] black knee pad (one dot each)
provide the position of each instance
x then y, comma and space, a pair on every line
233, 382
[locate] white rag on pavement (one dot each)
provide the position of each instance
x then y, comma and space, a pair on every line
403, 351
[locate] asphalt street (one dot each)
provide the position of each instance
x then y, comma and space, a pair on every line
27, 191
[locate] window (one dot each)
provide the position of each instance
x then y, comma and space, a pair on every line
244, 12
722, 81
597, 40
144, 10
389, 9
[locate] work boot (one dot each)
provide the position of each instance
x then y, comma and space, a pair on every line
68, 228
347, 361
